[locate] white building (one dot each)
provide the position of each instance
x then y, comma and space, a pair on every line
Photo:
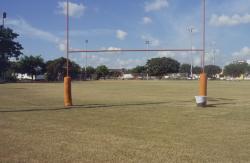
23, 76
127, 76
29, 77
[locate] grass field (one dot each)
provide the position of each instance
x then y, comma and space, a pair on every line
125, 121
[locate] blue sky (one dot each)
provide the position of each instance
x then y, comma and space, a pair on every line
120, 24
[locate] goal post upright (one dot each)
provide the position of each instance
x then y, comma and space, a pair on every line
67, 78
201, 100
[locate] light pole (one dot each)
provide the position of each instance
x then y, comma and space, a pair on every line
4, 17
191, 30
147, 42
82, 67
2, 28
86, 59
213, 44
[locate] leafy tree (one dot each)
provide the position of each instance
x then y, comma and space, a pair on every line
32, 65
161, 66
90, 71
197, 70
9, 48
11, 73
102, 71
185, 68
235, 69
212, 70
248, 69
115, 74
139, 70
56, 69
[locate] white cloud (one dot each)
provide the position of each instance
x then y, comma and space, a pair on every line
209, 59
96, 60
111, 48
244, 53
75, 10
179, 56
197, 61
101, 59
24, 28
225, 20
146, 20
155, 5
166, 54
128, 63
62, 45
182, 57
119, 61
91, 32
120, 34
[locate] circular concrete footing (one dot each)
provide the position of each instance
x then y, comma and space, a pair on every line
201, 101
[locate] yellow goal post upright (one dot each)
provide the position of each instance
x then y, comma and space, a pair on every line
203, 76
67, 79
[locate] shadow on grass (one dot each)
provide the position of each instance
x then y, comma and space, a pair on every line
18, 88
220, 99
88, 106
220, 102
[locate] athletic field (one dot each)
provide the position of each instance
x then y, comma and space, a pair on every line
124, 122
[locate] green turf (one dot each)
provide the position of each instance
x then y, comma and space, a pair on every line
125, 121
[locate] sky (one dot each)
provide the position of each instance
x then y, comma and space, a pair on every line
127, 24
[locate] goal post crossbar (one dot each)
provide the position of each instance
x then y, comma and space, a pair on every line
136, 50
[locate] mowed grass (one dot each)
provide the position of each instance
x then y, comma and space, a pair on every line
125, 121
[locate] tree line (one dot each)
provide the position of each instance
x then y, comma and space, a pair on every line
55, 70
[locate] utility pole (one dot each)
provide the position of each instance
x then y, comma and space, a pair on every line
147, 42
191, 29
